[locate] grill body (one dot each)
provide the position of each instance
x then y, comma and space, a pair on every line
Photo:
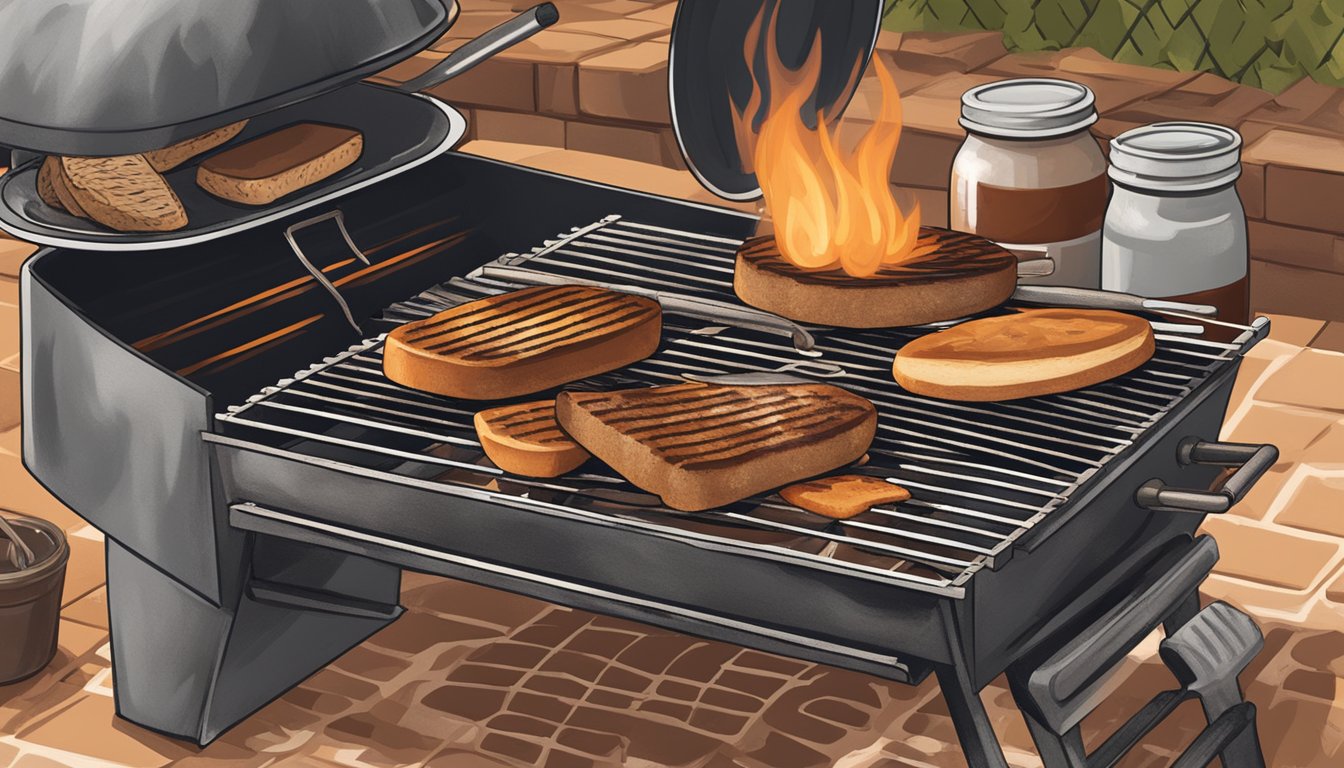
239, 564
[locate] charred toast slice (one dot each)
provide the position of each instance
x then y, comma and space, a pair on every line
700, 446
523, 342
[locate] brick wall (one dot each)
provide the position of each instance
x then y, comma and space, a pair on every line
597, 82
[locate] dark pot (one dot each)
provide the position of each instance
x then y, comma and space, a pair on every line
30, 597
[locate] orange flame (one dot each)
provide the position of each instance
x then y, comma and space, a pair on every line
831, 206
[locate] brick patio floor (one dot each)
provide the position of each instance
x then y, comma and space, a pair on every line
474, 677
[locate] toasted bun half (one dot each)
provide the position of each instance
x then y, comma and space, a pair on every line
1029, 353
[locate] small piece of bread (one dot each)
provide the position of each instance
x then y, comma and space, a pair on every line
124, 193
843, 496
46, 185
283, 161
525, 439
171, 156
1029, 353
522, 342
700, 446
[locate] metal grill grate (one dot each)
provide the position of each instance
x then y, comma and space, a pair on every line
980, 474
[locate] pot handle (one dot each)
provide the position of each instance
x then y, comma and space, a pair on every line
515, 30
1251, 460
23, 556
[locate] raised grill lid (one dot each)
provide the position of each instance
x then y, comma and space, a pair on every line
106, 77
708, 73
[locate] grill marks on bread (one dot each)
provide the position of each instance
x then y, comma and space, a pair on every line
952, 274
941, 254
522, 342
694, 427
533, 422
534, 324
702, 445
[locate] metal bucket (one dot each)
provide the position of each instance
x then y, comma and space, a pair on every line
33, 556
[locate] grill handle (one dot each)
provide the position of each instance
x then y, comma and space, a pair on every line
511, 32
1252, 461
339, 217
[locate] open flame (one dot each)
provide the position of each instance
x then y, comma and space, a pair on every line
831, 206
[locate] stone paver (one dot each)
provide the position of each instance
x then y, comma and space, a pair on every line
1299, 382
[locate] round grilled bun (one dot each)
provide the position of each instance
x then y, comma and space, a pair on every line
957, 275
525, 439
1025, 354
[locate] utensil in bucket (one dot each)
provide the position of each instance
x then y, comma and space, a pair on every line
33, 558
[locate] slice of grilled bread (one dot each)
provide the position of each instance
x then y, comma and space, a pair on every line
522, 342
700, 446
525, 439
52, 176
173, 155
283, 161
124, 193
1025, 354
843, 496
46, 184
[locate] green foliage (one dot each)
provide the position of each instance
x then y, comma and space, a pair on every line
1265, 43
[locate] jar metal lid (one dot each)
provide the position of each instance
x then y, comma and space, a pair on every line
1176, 156
1028, 108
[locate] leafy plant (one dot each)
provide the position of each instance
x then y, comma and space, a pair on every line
1270, 44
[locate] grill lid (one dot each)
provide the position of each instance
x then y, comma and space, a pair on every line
709, 80
105, 77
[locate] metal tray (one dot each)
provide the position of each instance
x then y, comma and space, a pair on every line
400, 131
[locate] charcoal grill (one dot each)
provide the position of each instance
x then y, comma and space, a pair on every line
217, 409
276, 482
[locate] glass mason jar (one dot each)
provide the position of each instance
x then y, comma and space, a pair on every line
1175, 228
1031, 177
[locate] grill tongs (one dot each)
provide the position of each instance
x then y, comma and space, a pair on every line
674, 303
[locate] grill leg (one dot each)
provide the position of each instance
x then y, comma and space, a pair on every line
977, 737
1056, 751
189, 668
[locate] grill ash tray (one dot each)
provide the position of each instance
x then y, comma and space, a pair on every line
981, 474
400, 132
